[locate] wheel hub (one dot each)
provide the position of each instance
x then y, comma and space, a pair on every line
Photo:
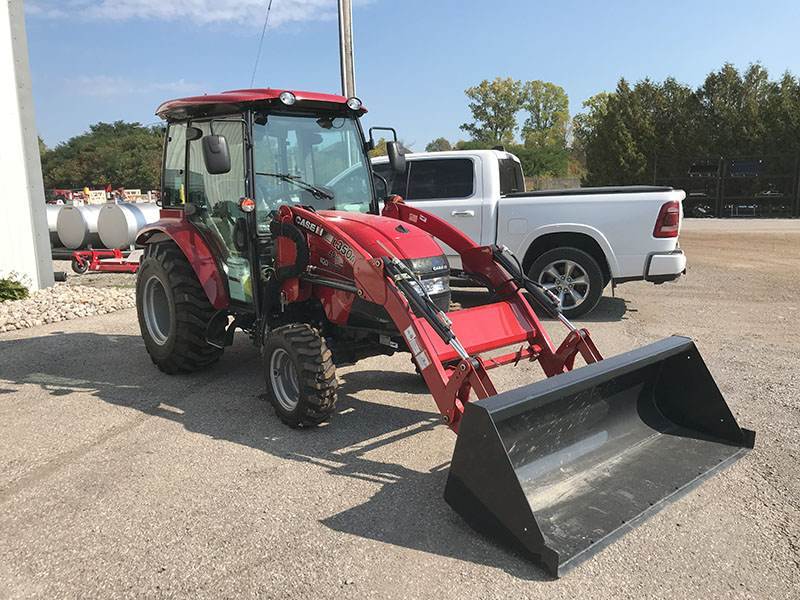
283, 378
155, 307
567, 280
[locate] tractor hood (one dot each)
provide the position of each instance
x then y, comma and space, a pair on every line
404, 240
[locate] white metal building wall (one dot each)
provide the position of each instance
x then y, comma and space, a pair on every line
24, 237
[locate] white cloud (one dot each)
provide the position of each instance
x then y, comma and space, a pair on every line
199, 11
108, 87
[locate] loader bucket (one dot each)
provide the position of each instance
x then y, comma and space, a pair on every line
563, 467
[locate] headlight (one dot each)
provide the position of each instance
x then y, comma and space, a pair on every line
353, 103
288, 98
434, 285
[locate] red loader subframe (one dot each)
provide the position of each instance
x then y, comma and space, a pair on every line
562, 467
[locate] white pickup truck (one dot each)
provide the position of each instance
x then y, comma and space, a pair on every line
573, 242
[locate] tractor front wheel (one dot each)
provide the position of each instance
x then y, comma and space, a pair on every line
173, 311
300, 375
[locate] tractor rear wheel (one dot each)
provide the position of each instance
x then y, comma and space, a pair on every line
173, 311
300, 375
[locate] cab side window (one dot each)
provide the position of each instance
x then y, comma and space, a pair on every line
216, 197
172, 191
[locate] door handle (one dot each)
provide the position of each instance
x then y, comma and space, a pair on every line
463, 213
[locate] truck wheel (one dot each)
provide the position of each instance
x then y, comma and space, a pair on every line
573, 276
173, 311
300, 374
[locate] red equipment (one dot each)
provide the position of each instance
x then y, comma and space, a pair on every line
289, 243
112, 261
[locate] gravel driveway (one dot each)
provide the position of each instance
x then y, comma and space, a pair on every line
117, 481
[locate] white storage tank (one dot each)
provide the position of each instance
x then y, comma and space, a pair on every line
118, 224
77, 226
52, 224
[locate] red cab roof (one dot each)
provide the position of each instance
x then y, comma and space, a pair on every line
238, 99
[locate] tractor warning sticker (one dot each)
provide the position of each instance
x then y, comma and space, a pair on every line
422, 360
419, 354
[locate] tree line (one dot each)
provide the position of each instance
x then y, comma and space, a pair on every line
119, 154
619, 136
617, 139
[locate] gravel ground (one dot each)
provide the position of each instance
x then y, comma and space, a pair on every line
80, 296
117, 481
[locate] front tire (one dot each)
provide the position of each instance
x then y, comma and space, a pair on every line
573, 276
300, 375
173, 311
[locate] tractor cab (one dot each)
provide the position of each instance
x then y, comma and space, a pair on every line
276, 148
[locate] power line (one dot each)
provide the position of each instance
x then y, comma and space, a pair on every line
258, 54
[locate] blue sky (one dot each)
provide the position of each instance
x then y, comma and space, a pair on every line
107, 60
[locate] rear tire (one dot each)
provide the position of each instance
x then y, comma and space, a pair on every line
572, 275
300, 375
173, 311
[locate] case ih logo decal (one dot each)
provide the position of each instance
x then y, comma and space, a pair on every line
337, 244
312, 227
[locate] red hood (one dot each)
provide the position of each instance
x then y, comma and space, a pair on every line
402, 239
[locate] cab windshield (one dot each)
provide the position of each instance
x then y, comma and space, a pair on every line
310, 161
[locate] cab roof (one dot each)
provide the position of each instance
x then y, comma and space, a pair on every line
237, 100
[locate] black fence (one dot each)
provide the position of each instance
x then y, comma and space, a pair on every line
744, 186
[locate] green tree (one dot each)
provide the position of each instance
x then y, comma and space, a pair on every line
438, 145
119, 153
494, 107
732, 109
548, 108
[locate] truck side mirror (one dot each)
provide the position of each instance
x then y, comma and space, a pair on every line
216, 154
396, 158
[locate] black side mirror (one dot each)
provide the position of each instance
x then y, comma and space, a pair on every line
240, 234
396, 158
216, 154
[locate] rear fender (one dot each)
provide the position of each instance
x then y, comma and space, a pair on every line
576, 229
178, 229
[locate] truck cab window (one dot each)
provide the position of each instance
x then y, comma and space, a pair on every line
440, 179
511, 179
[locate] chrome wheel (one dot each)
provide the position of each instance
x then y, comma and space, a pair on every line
567, 280
283, 378
155, 309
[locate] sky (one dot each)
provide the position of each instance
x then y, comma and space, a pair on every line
109, 60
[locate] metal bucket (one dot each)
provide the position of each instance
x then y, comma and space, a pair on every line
563, 467
118, 224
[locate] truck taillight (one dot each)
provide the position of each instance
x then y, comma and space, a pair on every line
668, 221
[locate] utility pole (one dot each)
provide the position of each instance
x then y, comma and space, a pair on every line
346, 48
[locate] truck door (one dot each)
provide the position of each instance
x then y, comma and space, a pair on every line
447, 188
215, 199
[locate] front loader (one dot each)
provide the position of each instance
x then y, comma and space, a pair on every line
272, 224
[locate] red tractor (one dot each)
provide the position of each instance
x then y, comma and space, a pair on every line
271, 224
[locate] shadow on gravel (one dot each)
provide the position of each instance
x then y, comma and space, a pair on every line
608, 309
226, 403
